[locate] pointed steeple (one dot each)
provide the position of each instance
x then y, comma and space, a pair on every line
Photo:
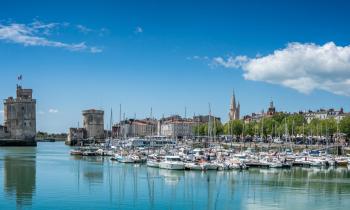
234, 109
233, 100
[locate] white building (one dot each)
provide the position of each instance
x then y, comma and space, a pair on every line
323, 114
177, 129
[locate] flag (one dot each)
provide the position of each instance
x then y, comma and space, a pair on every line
19, 77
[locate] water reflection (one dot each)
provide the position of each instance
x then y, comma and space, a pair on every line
87, 182
141, 187
19, 178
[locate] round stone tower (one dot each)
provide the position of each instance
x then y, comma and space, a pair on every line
94, 123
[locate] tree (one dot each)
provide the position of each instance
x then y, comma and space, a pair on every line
201, 130
344, 126
279, 117
329, 127
267, 125
234, 127
249, 128
218, 128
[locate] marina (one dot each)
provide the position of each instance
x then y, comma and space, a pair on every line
89, 182
184, 156
175, 105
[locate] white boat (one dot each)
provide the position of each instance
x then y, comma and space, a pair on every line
153, 163
124, 159
236, 164
76, 152
277, 141
222, 166
194, 166
210, 166
276, 165
241, 156
315, 163
172, 163
272, 163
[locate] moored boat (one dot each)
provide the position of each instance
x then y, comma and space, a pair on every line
172, 163
194, 166
76, 152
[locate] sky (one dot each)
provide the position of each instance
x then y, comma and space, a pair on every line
168, 55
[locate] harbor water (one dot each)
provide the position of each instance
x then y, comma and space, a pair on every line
47, 177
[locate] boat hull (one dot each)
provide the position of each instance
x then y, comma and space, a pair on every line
172, 166
153, 164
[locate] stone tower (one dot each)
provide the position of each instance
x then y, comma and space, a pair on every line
234, 109
20, 116
271, 110
94, 124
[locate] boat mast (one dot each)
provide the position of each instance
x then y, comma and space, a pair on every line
209, 124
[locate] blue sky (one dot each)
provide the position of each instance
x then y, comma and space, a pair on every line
169, 55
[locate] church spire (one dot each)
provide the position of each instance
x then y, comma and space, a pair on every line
233, 100
234, 108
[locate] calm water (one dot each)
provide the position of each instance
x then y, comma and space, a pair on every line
47, 177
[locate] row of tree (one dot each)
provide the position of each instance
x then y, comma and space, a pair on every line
45, 135
277, 125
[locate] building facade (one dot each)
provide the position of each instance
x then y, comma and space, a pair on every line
201, 119
177, 129
135, 128
323, 114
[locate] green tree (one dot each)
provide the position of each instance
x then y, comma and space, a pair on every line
218, 128
328, 127
234, 127
201, 130
267, 125
344, 126
279, 117
249, 128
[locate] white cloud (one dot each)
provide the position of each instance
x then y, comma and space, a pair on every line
53, 111
231, 62
1, 111
197, 57
83, 29
303, 67
95, 50
35, 34
41, 112
138, 30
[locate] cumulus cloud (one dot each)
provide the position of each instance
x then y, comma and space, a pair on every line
53, 111
36, 34
303, 67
